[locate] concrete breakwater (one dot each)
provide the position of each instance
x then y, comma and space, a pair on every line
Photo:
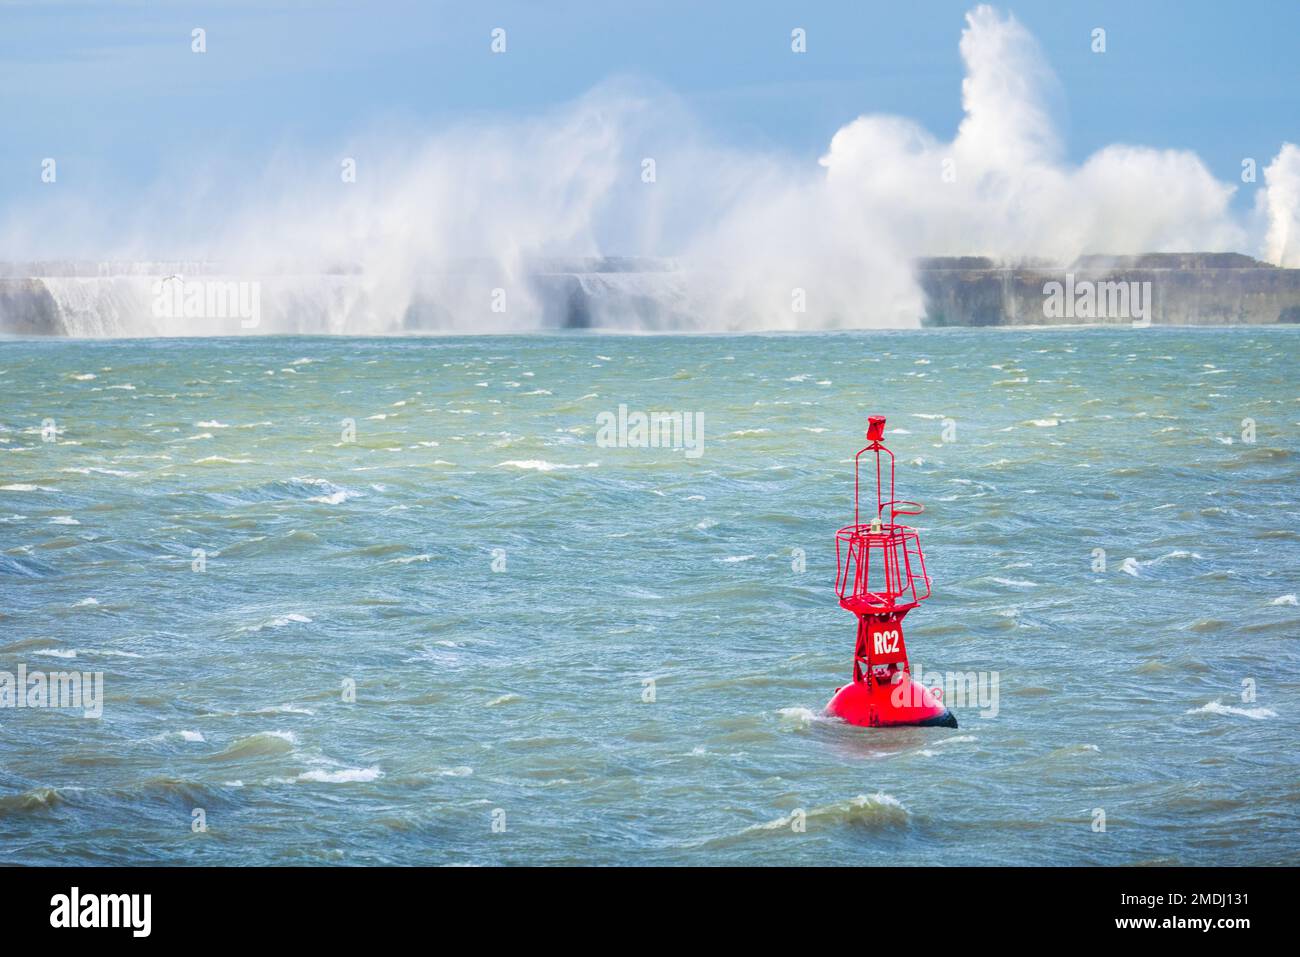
1160, 288
118, 299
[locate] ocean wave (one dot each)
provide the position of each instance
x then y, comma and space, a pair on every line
343, 776
872, 811
1215, 707
1176, 553
259, 745
334, 498
800, 717
24, 566
190, 737
269, 709
937, 748
297, 488
33, 801
108, 653
96, 470
408, 559
541, 465
279, 621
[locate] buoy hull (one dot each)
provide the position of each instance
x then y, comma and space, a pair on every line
876, 704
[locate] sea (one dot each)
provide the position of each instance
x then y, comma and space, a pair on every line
410, 601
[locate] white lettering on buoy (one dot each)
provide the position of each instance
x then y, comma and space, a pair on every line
886, 642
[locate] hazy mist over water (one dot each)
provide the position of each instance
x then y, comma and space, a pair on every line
520, 689
627, 170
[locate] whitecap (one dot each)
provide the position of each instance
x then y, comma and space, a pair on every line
345, 776
541, 465
802, 717
1214, 707
878, 808
337, 498
94, 470
279, 622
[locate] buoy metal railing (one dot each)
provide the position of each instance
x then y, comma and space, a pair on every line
879, 564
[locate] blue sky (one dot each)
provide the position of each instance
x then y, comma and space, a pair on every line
113, 91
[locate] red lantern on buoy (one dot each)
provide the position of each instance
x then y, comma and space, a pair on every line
880, 577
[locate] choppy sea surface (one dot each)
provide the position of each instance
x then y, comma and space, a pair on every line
195, 520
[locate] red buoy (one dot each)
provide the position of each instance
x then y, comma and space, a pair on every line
880, 577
